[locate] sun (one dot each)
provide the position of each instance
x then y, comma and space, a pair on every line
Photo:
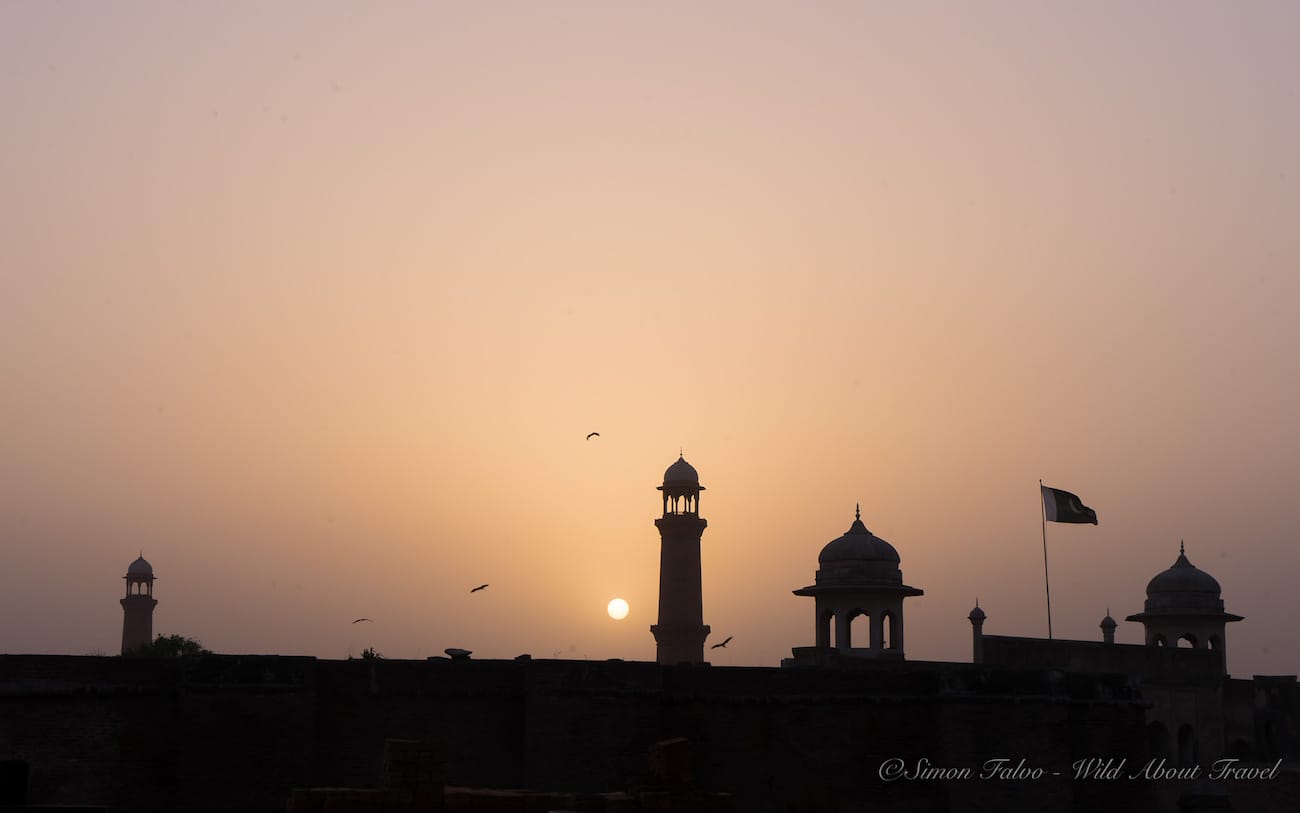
617, 609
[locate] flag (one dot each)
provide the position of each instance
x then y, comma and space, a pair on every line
1062, 506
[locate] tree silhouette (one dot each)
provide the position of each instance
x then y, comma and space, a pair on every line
169, 646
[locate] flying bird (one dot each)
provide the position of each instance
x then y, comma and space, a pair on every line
480, 587
359, 620
593, 435
723, 644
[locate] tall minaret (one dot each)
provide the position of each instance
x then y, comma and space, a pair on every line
680, 633
137, 607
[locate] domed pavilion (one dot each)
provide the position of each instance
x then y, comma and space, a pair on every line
858, 575
1184, 603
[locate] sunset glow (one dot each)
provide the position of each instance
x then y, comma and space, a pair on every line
318, 307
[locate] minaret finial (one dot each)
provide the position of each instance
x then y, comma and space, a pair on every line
1181, 548
977, 602
857, 513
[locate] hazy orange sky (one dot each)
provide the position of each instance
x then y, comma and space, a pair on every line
314, 304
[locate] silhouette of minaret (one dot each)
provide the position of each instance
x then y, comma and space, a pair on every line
137, 607
680, 633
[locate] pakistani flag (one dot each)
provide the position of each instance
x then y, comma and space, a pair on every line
1062, 506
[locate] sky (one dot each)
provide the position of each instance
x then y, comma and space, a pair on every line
315, 304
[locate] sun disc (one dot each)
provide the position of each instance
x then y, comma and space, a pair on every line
617, 609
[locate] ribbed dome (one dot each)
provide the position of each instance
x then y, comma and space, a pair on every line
1183, 577
859, 568
858, 545
859, 557
681, 472
140, 568
1184, 588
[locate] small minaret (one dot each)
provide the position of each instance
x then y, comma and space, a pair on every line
680, 633
1108, 628
977, 633
137, 607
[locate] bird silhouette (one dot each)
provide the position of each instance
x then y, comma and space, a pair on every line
480, 587
723, 644
359, 620
593, 435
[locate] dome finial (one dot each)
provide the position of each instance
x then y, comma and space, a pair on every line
857, 513
1181, 547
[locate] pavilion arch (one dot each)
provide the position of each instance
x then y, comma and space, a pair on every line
1159, 640
826, 628
1190, 639
888, 630
858, 630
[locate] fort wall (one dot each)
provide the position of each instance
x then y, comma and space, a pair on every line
239, 732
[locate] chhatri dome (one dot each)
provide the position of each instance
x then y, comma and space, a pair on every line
140, 567
1183, 586
858, 557
681, 472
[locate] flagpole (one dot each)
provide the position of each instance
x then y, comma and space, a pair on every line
1048, 582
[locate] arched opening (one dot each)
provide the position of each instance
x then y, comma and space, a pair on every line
826, 628
1215, 644
1158, 739
888, 636
1186, 745
859, 630
1159, 640
1187, 641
